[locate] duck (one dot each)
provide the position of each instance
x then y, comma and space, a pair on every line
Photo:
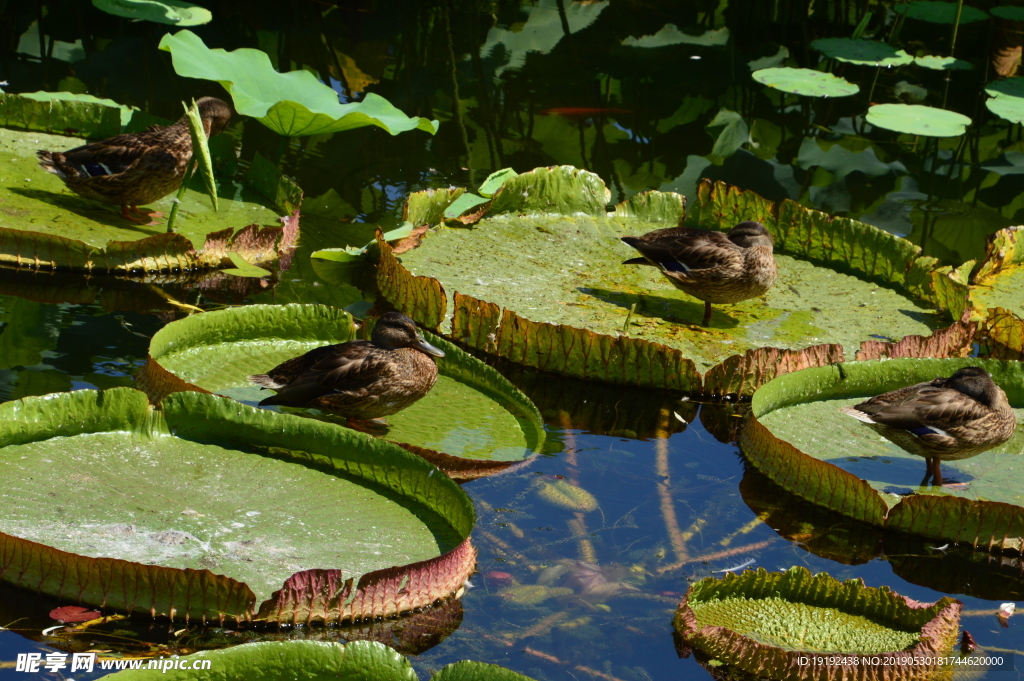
135, 168
943, 419
363, 381
711, 266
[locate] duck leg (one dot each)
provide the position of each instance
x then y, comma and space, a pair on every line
937, 471
141, 217
707, 314
928, 471
369, 426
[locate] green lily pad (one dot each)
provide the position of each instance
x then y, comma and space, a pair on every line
319, 661
472, 422
174, 12
1008, 12
915, 119
867, 477
937, 63
47, 226
222, 486
764, 623
860, 51
560, 267
940, 12
807, 82
1007, 98
290, 104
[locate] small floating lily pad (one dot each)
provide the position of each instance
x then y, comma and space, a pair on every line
937, 63
764, 622
915, 119
940, 12
860, 51
807, 82
1007, 99
473, 420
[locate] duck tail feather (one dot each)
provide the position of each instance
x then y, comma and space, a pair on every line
857, 414
266, 381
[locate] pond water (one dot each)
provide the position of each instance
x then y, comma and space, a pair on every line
527, 84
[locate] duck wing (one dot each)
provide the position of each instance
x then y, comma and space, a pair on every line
683, 250
344, 368
924, 407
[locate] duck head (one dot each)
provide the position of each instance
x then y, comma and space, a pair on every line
749, 234
216, 114
977, 383
394, 330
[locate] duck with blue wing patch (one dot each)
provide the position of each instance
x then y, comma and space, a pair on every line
943, 419
711, 266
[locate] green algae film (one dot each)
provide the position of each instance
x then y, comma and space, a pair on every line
568, 270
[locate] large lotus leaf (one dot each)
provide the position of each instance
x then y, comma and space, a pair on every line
807, 82
860, 51
998, 280
46, 226
291, 104
174, 12
319, 661
566, 269
940, 12
472, 414
764, 622
224, 487
799, 439
916, 119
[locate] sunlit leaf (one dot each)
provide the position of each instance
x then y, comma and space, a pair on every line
465, 202
1007, 98
730, 132
494, 181
243, 268
860, 51
940, 12
201, 151
291, 104
943, 63
806, 82
915, 119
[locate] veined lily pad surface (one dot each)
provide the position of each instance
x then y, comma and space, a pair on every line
473, 416
549, 252
319, 660
798, 438
915, 119
807, 82
231, 506
763, 622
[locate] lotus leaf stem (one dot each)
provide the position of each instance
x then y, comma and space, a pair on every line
668, 509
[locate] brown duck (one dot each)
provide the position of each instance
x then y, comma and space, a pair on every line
944, 419
360, 380
711, 266
136, 168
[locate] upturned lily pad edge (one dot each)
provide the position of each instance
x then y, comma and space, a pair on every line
308, 596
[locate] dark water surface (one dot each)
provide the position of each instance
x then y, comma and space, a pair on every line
522, 85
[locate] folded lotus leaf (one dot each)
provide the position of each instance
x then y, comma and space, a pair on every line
472, 423
549, 289
47, 227
230, 480
173, 12
764, 623
798, 438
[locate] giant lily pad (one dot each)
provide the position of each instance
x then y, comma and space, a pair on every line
549, 254
938, 12
860, 51
356, 660
174, 12
765, 622
807, 82
291, 104
916, 119
227, 503
46, 226
473, 422
797, 437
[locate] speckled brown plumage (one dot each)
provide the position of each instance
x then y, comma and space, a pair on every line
360, 380
711, 266
136, 168
943, 419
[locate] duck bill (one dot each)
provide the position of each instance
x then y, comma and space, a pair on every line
423, 346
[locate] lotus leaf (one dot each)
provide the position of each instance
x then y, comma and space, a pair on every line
730, 132
553, 265
174, 12
222, 486
763, 622
943, 63
860, 51
1008, 12
997, 283
916, 119
290, 104
670, 35
1007, 99
940, 12
868, 475
807, 82
471, 422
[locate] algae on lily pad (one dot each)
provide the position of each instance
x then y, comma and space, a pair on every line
216, 518
915, 119
559, 271
807, 82
860, 51
471, 423
765, 622
797, 437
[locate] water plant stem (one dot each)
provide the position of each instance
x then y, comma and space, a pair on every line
629, 316
176, 201
668, 508
578, 525
956, 26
